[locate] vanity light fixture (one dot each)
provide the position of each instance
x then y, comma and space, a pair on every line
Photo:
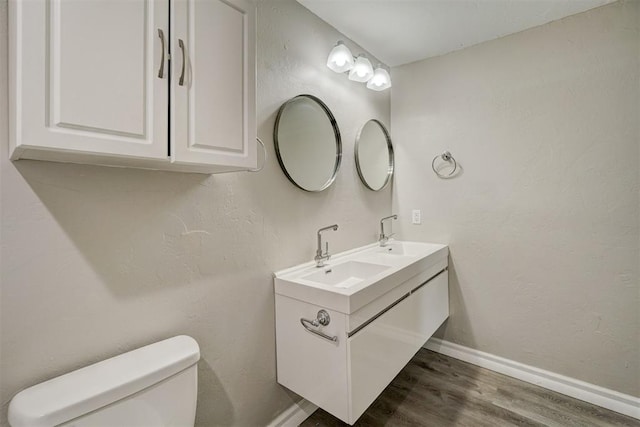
381, 79
362, 70
341, 60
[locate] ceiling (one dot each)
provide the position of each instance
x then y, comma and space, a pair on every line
401, 31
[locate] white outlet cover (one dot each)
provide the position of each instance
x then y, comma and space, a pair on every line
416, 216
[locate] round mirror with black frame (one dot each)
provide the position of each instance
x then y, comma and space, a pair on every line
307, 143
374, 155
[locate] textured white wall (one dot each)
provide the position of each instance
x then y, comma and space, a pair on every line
543, 223
97, 261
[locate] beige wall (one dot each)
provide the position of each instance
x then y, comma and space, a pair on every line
96, 261
543, 223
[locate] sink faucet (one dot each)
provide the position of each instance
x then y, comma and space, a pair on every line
383, 237
322, 257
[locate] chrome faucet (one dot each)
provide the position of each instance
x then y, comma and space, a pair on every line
383, 237
322, 257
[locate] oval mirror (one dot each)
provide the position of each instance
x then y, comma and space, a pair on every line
307, 142
374, 155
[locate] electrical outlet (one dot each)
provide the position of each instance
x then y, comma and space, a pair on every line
416, 216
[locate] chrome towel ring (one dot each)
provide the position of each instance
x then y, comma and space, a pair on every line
447, 157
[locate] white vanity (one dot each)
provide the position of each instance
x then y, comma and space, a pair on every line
346, 329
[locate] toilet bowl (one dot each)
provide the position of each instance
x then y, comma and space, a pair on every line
155, 385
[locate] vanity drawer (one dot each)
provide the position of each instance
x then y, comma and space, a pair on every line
382, 348
364, 315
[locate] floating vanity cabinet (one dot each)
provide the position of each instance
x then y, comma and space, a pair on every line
340, 341
160, 84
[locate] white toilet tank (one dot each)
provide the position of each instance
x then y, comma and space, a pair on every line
155, 385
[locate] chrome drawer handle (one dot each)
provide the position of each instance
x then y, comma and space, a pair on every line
321, 319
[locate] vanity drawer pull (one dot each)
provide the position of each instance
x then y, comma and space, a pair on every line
323, 319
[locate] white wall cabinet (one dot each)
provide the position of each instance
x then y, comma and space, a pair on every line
161, 84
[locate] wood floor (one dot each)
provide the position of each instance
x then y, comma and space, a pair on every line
436, 390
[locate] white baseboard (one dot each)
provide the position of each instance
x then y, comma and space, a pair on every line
600, 396
295, 415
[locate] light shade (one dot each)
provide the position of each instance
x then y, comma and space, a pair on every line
381, 80
340, 58
362, 70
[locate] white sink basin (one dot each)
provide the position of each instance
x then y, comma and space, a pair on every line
354, 278
402, 248
347, 274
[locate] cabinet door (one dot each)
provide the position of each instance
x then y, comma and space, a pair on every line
213, 84
84, 79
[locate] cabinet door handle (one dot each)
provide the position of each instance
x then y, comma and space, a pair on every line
184, 60
161, 70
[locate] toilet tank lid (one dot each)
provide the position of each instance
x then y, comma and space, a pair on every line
74, 394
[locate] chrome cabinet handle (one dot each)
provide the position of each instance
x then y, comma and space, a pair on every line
321, 319
161, 70
184, 60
